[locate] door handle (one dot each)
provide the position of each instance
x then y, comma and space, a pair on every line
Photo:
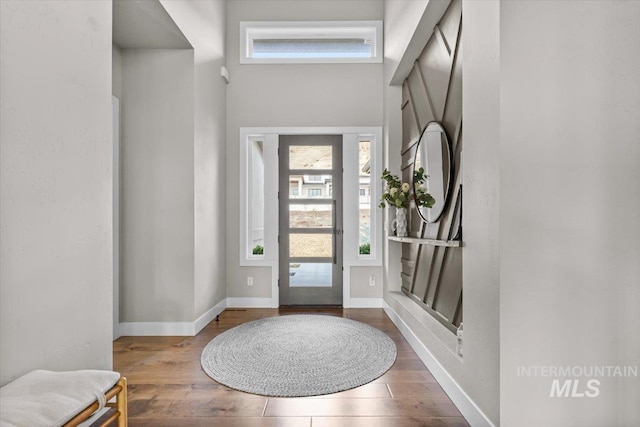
335, 234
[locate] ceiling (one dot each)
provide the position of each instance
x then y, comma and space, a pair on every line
145, 24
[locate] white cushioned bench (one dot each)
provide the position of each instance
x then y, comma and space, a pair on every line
52, 399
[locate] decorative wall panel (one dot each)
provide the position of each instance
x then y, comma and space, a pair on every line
432, 275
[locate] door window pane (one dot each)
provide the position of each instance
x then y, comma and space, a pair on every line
310, 216
310, 186
310, 157
310, 275
310, 245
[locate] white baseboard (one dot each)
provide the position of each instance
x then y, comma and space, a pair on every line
209, 315
249, 302
459, 397
141, 329
152, 329
366, 303
117, 331
160, 329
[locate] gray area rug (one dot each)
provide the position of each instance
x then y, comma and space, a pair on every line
298, 355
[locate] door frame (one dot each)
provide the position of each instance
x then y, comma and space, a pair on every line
115, 111
350, 155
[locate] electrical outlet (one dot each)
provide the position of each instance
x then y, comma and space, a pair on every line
372, 280
249, 280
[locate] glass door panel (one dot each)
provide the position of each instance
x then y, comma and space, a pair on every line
307, 274
310, 216
309, 245
310, 157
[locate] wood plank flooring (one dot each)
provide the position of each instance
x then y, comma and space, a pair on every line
167, 386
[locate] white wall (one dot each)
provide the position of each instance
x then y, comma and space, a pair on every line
203, 24
55, 186
312, 95
569, 206
157, 185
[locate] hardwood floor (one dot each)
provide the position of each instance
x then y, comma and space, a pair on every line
167, 386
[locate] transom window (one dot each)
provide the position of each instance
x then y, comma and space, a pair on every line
311, 42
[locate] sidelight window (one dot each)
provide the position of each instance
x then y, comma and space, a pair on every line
256, 191
365, 202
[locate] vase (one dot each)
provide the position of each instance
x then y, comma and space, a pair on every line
401, 222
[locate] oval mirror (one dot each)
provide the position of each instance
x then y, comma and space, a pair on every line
433, 154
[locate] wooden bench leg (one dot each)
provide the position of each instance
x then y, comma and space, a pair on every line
121, 403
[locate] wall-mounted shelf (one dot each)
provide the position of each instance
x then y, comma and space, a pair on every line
419, 241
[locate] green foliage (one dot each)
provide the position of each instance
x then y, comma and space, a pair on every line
396, 193
421, 197
365, 249
258, 250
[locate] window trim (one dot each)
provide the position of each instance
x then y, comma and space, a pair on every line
251, 30
375, 188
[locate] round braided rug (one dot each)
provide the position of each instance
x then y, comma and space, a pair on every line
298, 355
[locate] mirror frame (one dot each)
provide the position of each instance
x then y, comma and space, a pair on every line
449, 154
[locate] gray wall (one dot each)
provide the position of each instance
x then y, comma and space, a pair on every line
360, 282
405, 14
480, 219
291, 95
157, 185
116, 77
569, 206
173, 153
401, 18
55, 186
203, 24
